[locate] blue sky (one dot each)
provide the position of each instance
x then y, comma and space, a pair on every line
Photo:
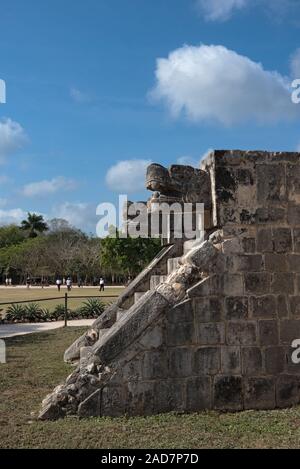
97, 89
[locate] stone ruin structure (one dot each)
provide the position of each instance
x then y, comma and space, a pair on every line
210, 325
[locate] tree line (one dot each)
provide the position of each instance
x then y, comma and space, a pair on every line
45, 251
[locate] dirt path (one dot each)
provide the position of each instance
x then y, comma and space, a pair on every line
11, 330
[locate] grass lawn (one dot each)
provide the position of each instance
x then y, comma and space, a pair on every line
20, 294
35, 366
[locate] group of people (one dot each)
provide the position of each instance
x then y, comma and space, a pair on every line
59, 283
68, 282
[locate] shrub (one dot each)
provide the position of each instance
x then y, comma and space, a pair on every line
91, 308
15, 313
58, 313
33, 312
45, 315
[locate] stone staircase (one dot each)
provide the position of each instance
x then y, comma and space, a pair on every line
156, 273
155, 280
167, 266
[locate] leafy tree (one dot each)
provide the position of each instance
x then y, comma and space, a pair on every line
34, 225
10, 235
128, 255
59, 225
68, 251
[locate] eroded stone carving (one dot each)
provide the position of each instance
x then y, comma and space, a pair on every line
178, 184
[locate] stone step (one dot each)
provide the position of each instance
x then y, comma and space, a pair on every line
138, 295
156, 280
119, 314
173, 263
188, 245
102, 332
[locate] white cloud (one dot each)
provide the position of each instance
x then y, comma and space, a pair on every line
47, 187
80, 215
220, 10
12, 138
190, 161
79, 96
223, 10
206, 154
213, 83
127, 176
295, 64
15, 215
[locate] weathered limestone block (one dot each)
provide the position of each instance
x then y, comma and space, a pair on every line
241, 333
252, 362
236, 307
260, 393
287, 390
210, 333
207, 361
208, 309
198, 393
268, 332
228, 392
231, 360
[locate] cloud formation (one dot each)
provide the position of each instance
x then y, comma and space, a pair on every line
47, 187
213, 83
127, 176
220, 10
190, 161
12, 138
79, 96
81, 215
223, 10
15, 215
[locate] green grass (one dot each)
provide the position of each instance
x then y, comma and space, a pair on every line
23, 294
35, 366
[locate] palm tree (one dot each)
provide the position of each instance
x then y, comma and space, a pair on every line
34, 225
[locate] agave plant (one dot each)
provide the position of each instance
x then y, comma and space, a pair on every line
33, 312
76, 313
45, 315
15, 313
58, 313
91, 308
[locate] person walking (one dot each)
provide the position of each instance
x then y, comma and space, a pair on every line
10, 282
69, 283
28, 281
58, 284
6, 281
101, 284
